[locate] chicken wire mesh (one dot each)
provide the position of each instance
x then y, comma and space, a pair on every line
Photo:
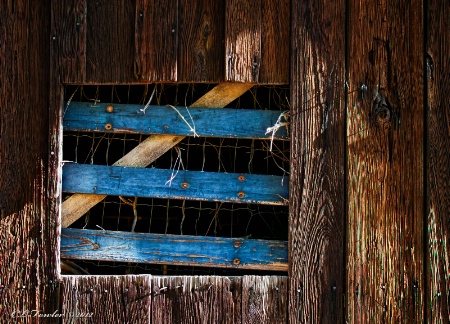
173, 216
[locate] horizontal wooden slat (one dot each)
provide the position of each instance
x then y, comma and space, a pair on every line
173, 249
170, 120
193, 185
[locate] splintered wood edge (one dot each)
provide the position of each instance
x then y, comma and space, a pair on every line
149, 150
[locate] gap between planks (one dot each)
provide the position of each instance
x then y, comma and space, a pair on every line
150, 149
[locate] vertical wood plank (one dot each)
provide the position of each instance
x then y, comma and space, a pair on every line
385, 162
106, 299
69, 33
264, 299
110, 41
201, 41
232, 301
189, 299
317, 180
243, 40
28, 272
156, 40
275, 17
438, 162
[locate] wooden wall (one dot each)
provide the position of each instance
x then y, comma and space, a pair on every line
369, 227
124, 41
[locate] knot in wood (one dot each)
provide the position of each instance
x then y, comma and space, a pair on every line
382, 114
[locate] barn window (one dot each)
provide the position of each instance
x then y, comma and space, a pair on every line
153, 183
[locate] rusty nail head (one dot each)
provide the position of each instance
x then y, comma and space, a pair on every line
95, 246
237, 244
237, 261
241, 178
108, 126
185, 185
241, 194
110, 109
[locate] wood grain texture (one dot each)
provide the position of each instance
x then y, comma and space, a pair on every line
317, 195
243, 40
173, 120
275, 28
187, 300
106, 299
156, 40
437, 300
69, 32
264, 299
151, 148
28, 247
232, 299
174, 184
182, 250
110, 41
201, 41
385, 163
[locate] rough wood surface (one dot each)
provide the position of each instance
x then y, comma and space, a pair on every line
317, 195
385, 163
437, 300
173, 120
243, 40
275, 27
110, 41
201, 41
232, 299
106, 299
28, 246
150, 149
264, 299
184, 250
69, 33
156, 40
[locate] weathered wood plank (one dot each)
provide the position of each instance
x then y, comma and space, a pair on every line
101, 299
156, 40
171, 120
317, 195
264, 299
232, 299
150, 149
69, 33
243, 40
201, 41
173, 249
275, 41
437, 300
385, 269
110, 41
187, 300
174, 184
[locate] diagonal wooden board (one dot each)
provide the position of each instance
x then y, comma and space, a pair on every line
150, 149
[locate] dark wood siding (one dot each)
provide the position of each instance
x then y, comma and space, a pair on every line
317, 181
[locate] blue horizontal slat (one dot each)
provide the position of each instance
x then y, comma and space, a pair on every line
239, 123
173, 249
192, 185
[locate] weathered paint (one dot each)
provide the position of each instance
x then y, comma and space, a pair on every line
189, 250
171, 120
162, 183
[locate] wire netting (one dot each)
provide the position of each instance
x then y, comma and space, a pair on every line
173, 216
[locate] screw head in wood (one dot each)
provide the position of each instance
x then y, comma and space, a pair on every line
241, 178
236, 261
241, 194
237, 244
108, 126
110, 109
184, 185
95, 246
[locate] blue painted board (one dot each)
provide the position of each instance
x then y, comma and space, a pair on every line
191, 185
208, 122
173, 249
